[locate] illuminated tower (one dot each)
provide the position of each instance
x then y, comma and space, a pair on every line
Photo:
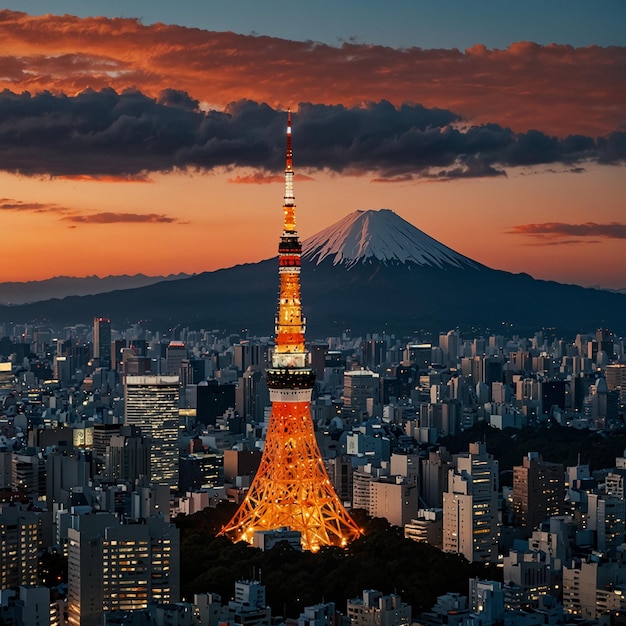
291, 487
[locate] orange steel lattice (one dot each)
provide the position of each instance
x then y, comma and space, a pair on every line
291, 487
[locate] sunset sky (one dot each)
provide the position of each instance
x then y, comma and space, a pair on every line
148, 137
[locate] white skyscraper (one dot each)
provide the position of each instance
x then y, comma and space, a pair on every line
470, 506
151, 403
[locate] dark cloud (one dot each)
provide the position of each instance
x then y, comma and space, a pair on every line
7, 204
117, 218
103, 133
557, 232
261, 178
76, 217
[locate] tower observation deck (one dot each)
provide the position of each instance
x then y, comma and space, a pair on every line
291, 487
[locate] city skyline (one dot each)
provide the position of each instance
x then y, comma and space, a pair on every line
143, 186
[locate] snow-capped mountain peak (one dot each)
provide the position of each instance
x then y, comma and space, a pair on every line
365, 236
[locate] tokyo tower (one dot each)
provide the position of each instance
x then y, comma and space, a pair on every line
291, 487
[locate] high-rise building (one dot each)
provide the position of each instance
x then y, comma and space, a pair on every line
248, 353
470, 506
434, 477
616, 379
115, 566
605, 516
394, 499
7, 378
538, 491
605, 339
127, 457
151, 404
359, 387
20, 543
291, 487
251, 396
28, 473
102, 341
175, 353
450, 344
373, 353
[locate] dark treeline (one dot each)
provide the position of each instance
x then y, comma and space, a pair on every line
555, 443
381, 559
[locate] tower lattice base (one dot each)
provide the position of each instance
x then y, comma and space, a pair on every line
291, 487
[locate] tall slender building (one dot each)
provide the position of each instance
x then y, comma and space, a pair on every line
151, 404
291, 487
470, 506
102, 341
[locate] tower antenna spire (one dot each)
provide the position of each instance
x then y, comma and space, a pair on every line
291, 488
289, 204
289, 159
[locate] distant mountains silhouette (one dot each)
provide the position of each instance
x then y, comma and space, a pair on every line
370, 272
62, 286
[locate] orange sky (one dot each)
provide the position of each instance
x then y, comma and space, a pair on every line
555, 220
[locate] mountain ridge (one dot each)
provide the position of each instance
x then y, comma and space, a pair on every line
391, 294
15, 293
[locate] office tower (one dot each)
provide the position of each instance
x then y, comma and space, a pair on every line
102, 341
249, 353
605, 516
450, 344
493, 369
175, 354
553, 393
20, 543
135, 365
616, 379
117, 346
395, 499
340, 474
123, 567
538, 491
359, 386
592, 587
127, 457
291, 488
470, 506
373, 353
251, 395
318, 352
102, 433
151, 403
65, 471
28, 473
434, 477
605, 340
419, 354
602, 405
7, 379
28, 606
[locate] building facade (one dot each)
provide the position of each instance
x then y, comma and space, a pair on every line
151, 404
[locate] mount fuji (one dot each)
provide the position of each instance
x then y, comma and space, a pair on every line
370, 272
380, 236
